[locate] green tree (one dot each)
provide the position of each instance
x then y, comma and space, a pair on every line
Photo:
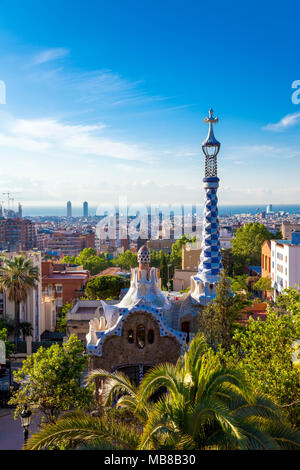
104, 287
263, 284
263, 351
176, 253
89, 259
61, 318
239, 283
9, 348
164, 273
50, 381
69, 259
26, 328
205, 406
246, 246
289, 301
217, 319
85, 255
17, 277
127, 260
227, 262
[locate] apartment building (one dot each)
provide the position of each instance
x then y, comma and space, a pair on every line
63, 285
62, 243
17, 234
287, 228
285, 263
38, 309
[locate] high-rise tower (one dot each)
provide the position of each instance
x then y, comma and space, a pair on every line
85, 209
69, 209
203, 285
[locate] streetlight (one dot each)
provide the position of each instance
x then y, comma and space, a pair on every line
25, 420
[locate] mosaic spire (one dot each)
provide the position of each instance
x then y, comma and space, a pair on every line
203, 287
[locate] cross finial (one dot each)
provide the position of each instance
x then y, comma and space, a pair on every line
211, 120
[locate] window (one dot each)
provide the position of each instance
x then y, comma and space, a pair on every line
140, 336
150, 336
58, 288
185, 326
130, 336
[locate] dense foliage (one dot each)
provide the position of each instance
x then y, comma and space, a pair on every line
105, 287
206, 406
127, 260
9, 348
176, 253
61, 317
50, 380
263, 284
217, 319
263, 351
89, 259
246, 246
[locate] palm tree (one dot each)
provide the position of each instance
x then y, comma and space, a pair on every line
206, 406
17, 277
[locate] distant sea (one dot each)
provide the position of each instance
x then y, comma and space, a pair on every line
60, 211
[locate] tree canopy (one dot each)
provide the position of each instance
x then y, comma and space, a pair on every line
176, 252
263, 351
104, 287
203, 406
217, 318
50, 380
127, 260
246, 246
89, 259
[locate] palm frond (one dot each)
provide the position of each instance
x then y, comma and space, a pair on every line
80, 427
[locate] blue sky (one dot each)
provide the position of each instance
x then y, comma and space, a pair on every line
107, 98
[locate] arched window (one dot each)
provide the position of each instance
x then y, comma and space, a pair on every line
140, 336
185, 326
130, 336
150, 336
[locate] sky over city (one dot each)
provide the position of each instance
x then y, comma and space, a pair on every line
107, 98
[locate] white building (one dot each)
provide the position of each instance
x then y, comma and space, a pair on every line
39, 309
285, 263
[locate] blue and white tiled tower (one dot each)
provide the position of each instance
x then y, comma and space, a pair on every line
203, 285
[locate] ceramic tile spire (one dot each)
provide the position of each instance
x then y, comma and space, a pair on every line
203, 285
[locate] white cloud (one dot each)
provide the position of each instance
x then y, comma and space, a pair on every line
53, 138
287, 121
49, 55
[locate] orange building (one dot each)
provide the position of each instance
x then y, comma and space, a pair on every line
266, 259
266, 262
64, 286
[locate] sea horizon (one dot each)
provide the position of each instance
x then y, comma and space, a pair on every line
228, 209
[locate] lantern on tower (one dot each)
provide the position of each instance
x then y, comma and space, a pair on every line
211, 147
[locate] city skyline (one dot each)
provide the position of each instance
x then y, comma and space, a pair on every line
87, 123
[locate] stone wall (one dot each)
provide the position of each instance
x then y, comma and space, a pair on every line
117, 351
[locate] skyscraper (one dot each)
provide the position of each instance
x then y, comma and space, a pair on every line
85, 209
20, 211
203, 287
69, 209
